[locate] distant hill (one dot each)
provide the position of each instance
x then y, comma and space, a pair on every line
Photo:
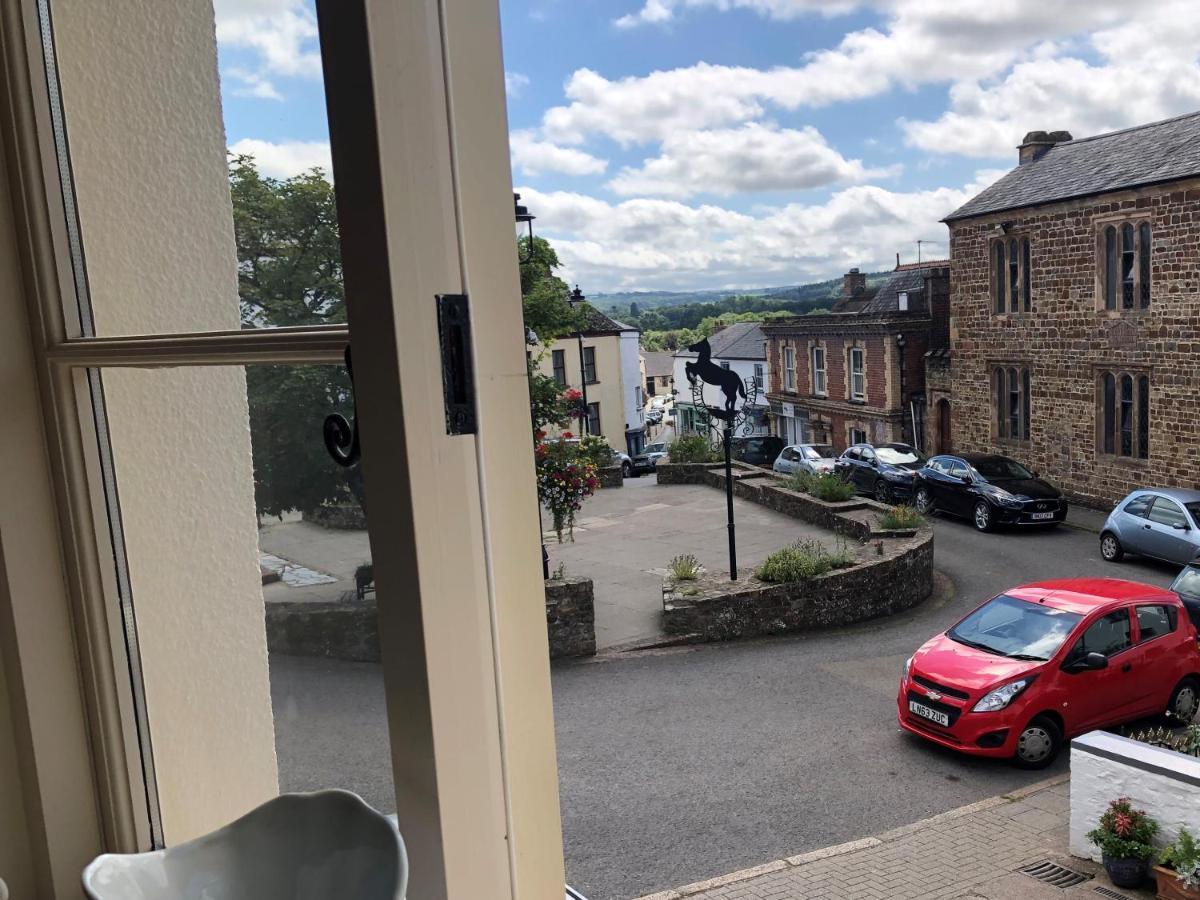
618, 302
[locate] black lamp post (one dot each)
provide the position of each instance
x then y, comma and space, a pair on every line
577, 298
900, 344
524, 226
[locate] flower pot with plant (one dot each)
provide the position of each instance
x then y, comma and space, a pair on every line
1178, 871
1125, 837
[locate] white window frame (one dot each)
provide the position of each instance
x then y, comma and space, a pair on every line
789, 368
465, 657
820, 382
858, 374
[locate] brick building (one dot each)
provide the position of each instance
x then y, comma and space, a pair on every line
857, 373
1075, 311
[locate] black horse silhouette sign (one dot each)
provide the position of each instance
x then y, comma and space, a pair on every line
709, 372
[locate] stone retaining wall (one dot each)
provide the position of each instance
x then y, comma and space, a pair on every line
717, 609
897, 576
342, 517
611, 477
571, 617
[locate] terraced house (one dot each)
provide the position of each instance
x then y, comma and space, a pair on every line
1075, 310
857, 373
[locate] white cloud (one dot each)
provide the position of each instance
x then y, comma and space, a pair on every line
657, 12
647, 243
922, 42
753, 158
534, 157
286, 158
1147, 71
282, 34
515, 83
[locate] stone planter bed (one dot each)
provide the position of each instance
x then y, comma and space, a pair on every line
894, 571
611, 477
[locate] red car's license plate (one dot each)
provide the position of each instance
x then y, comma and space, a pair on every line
925, 712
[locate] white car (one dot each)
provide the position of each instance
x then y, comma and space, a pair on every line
816, 459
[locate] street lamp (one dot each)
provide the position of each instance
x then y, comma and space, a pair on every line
577, 298
524, 223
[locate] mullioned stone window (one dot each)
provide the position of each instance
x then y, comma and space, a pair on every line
1125, 263
1011, 389
1011, 277
1123, 414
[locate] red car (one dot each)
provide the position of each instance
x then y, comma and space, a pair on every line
1045, 662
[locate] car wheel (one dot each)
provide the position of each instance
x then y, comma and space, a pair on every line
982, 516
1038, 744
924, 501
882, 491
1185, 701
1110, 547
626, 470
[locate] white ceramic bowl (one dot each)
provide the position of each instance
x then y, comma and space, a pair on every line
319, 846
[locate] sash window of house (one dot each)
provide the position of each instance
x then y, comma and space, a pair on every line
818, 365
589, 365
789, 369
559, 361
858, 377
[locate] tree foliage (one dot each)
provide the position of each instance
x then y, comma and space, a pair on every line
290, 273
545, 305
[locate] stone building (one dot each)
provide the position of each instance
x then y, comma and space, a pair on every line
857, 373
1075, 310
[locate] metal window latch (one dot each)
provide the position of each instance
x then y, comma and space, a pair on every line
458, 364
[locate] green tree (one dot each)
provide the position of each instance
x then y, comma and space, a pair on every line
633, 310
545, 304
290, 273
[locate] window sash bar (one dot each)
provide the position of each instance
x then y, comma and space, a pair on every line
306, 344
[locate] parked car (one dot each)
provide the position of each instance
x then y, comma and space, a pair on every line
989, 490
1187, 586
654, 415
649, 457
1042, 663
758, 450
619, 458
1161, 523
816, 459
885, 471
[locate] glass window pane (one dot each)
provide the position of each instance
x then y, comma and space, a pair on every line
1127, 266
1110, 267
250, 589
203, 200
1109, 635
1167, 512
1126, 415
1026, 276
1108, 425
1000, 403
998, 277
1144, 263
1143, 417
1153, 621
1013, 273
1014, 404
1025, 404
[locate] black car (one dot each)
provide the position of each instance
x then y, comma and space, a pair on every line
1187, 586
885, 471
988, 489
759, 450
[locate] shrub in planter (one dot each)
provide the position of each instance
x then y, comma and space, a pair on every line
1178, 872
1125, 837
802, 561
692, 448
831, 488
901, 518
802, 482
685, 568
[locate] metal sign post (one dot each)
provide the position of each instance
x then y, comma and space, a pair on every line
704, 371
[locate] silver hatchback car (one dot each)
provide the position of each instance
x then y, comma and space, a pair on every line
816, 459
1162, 523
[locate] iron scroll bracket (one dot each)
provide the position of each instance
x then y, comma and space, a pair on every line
341, 435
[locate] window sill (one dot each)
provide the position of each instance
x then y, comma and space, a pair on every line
1132, 462
1124, 313
857, 401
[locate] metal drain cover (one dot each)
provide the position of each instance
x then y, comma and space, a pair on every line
1109, 892
1053, 874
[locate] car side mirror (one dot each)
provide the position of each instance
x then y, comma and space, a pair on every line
966, 479
1182, 526
1090, 663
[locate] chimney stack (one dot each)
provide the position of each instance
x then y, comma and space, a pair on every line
1035, 144
854, 283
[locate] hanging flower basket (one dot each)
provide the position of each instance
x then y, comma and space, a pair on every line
565, 478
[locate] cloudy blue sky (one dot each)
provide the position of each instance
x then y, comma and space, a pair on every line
685, 144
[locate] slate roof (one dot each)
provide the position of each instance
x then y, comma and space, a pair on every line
742, 340
597, 322
1146, 154
659, 363
906, 279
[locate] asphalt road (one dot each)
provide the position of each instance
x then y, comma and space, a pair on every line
679, 765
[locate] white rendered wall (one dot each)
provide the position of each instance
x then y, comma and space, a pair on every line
1164, 783
143, 116
631, 379
714, 396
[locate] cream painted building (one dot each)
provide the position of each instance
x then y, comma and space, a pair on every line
611, 366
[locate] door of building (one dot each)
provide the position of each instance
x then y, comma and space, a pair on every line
945, 443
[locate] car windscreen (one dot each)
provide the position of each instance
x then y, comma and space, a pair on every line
895, 457
997, 467
1016, 628
656, 448
1187, 583
825, 452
